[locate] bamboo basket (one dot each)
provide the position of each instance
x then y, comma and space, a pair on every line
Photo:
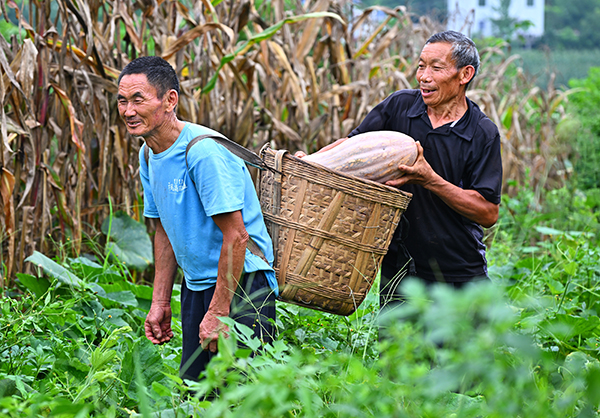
330, 231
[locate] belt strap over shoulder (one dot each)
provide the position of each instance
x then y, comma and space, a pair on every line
255, 249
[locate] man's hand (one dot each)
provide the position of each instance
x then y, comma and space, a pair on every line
158, 323
419, 173
468, 203
210, 329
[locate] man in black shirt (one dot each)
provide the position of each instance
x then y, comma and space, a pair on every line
457, 178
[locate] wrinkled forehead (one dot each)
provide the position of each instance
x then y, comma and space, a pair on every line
136, 84
437, 52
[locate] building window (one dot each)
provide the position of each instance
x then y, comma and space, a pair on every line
481, 25
530, 2
482, 2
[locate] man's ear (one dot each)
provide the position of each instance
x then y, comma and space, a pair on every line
466, 74
171, 100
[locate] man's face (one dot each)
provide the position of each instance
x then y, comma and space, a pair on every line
439, 80
139, 106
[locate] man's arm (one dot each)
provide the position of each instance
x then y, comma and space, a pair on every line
231, 265
468, 203
158, 321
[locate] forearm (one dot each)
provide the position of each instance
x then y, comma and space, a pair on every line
230, 268
165, 267
468, 203
158, 321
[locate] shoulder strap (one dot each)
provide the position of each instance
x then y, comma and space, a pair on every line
255, 249
236, 149
146, 153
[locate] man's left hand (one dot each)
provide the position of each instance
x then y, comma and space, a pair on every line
419, 173
210, 329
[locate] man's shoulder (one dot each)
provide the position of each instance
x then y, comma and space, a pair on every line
483, 121
403, 101
408, 95
198, 139
194, 130
206, 149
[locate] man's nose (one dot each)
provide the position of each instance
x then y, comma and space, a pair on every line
425, 74
129, 109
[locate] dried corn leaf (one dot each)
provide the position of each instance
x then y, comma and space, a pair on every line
263, 36
75, 124
26, 73
7, 185
310, 32
297, 92
194, 33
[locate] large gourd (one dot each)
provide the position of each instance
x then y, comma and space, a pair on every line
372, 155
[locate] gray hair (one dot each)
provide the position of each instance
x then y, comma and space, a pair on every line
464, 51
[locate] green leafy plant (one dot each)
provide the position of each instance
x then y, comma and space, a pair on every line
588, 136
73, 344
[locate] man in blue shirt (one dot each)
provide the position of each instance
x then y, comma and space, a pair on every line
208, 220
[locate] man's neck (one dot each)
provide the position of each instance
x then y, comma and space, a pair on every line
165, 136
451, 112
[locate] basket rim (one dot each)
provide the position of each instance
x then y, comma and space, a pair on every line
372, 183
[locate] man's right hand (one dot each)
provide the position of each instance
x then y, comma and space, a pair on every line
299, 154
158, 324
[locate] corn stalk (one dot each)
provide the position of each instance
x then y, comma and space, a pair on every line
296, 76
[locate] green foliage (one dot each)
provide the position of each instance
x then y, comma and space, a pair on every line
8, 29
584, 107
445, 352
572, 25
130, 242
72, 345
318, 332
525, 344
552, 279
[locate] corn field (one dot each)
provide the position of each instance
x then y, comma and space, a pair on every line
291, 74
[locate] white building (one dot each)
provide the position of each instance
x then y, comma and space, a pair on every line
473, 17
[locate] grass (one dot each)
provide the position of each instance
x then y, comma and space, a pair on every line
565, 64
525, 344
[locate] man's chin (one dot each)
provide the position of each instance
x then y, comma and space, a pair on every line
135, 132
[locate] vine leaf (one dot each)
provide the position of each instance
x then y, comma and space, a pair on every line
130, 243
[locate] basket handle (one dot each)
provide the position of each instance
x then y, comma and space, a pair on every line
276, 208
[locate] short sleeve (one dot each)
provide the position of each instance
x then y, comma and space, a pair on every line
486, 172
375, 120
150, 210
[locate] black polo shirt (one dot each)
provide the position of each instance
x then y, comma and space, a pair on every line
445, 245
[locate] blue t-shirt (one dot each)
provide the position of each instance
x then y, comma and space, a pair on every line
221, 184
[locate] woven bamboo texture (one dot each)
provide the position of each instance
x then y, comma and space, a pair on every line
330, 231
